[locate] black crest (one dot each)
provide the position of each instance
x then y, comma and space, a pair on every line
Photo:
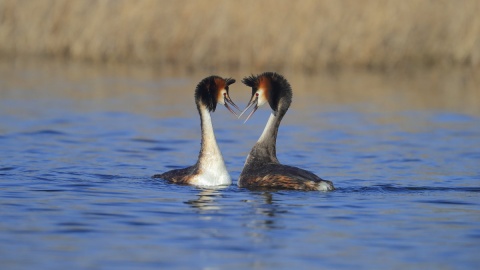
251, 81
207, 90
279, 88
229, 81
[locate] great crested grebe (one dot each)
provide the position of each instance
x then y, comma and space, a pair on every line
262, 169
210, 168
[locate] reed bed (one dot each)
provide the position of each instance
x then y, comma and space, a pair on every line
246, 34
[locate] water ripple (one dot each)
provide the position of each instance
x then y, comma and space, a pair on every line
400, 189
45, 132
448, 202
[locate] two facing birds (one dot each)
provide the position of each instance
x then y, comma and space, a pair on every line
262, 169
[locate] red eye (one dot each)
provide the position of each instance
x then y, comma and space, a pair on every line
256, 94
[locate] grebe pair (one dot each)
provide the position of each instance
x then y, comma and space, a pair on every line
262, 169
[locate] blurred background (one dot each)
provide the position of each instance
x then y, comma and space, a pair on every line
305, 35
426, 52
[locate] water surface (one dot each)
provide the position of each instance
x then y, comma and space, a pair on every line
78, 144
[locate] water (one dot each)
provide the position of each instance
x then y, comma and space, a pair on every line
78, 145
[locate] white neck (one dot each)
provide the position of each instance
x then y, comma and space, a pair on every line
269, 129
212, 170
265, 148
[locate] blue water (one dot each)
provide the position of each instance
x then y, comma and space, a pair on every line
77, 149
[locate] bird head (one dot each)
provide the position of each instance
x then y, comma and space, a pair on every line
268, 87
213, 90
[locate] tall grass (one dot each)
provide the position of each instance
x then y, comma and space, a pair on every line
268, 34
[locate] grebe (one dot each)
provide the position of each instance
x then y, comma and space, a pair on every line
210, 168
262, 169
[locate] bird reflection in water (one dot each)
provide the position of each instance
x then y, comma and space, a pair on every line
206, 200
270, 211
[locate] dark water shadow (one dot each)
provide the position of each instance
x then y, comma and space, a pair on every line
267, 211
46, 132
389, 188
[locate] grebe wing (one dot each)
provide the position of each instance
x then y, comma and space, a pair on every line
277, 176
177, 176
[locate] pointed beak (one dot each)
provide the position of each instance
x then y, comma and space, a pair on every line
227, 100
253, 102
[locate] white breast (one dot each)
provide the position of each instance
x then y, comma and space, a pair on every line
212, 172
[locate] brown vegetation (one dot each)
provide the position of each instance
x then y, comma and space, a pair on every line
269, 34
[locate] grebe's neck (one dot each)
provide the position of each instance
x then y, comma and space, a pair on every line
209, 143
265, 148
211, 170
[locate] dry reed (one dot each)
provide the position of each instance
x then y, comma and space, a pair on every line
269, 34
